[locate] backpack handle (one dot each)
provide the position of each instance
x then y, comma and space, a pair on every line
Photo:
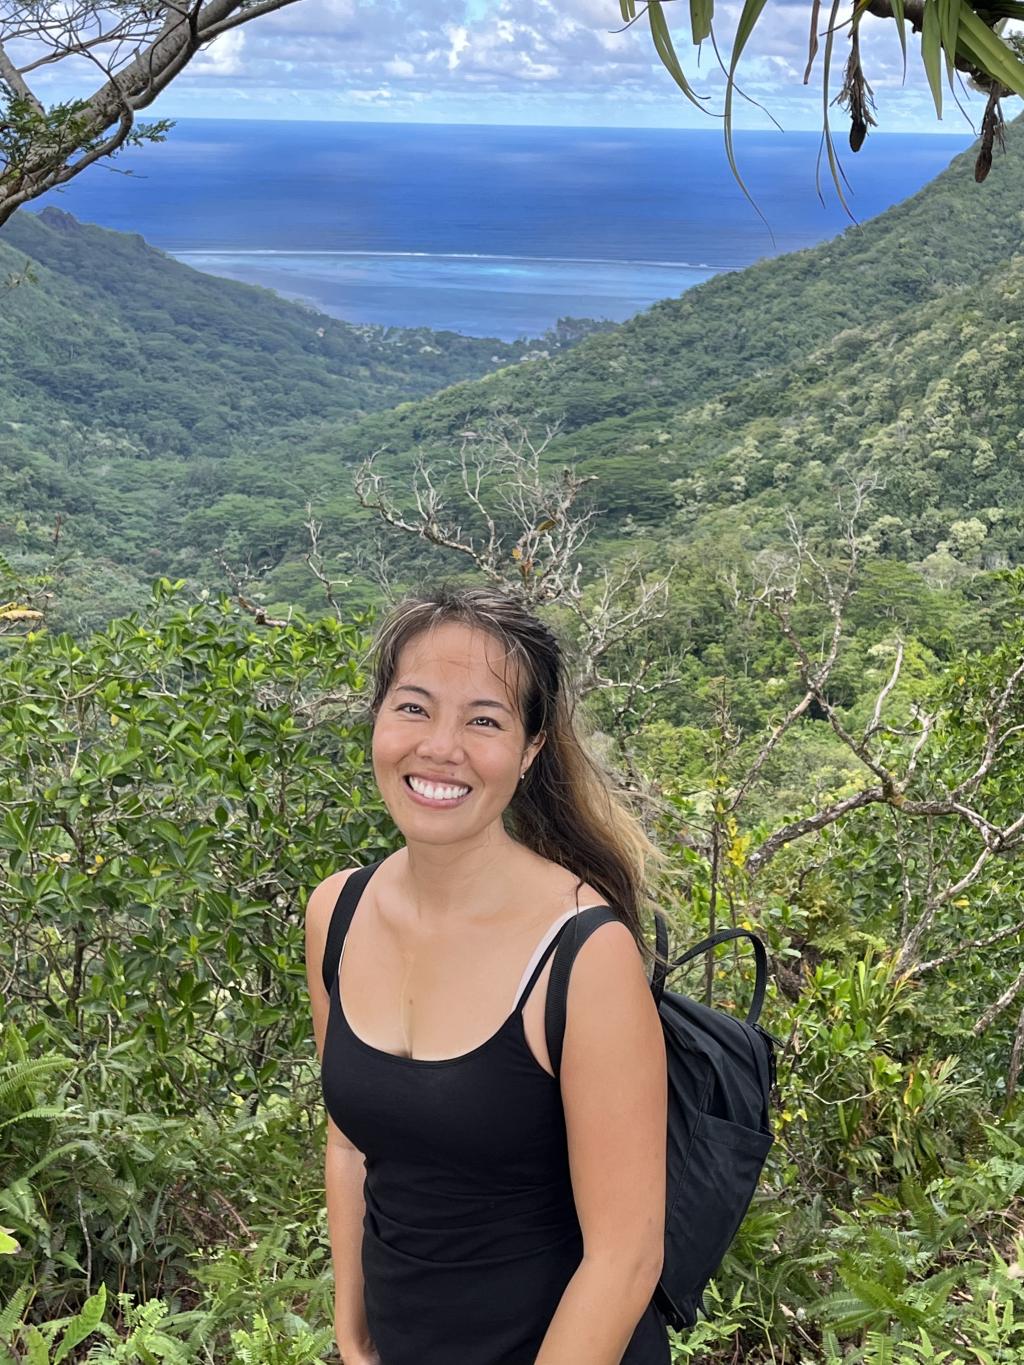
661, 970
583, 925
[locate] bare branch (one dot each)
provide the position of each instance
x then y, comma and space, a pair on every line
876, 718
1016, 1055
315, 560
996, 1008
752, 772
796, 829
993, 739
1000, 937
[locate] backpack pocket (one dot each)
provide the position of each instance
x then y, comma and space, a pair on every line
715, 1188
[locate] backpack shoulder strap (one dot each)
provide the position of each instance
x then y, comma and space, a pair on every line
570, 941
341, 918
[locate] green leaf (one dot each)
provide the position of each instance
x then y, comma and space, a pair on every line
37, 1352
897, 14
931, 52
748, 19
701, 14
826, 131
879, 1297
980, 45
949, 24
83, 1324
667, 53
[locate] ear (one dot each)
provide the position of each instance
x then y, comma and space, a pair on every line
532, 750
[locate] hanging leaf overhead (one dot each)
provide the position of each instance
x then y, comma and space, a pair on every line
957, 40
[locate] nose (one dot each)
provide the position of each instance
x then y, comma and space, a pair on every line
441, 742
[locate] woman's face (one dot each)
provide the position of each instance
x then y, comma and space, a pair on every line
448, 741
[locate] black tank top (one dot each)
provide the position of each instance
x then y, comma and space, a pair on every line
470, 1233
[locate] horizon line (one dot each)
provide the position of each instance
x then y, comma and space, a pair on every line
929, 131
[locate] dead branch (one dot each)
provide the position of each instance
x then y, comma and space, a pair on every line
314, 559
257, 612
999, 937
524, 532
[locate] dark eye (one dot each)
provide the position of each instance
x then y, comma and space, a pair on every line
488, 718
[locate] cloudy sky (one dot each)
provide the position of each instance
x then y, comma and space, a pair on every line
530, 62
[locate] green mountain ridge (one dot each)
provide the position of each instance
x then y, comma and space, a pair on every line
706, 419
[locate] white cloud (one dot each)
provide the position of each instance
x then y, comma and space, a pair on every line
459, 39
222, 57
504, 59
382, 95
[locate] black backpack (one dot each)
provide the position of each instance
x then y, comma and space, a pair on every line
721, 1075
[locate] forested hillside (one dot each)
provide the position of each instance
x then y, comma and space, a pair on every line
131, 384
118, 336
167, 415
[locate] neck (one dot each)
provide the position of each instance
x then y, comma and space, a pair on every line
455, 881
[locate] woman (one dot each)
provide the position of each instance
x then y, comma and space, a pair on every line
481, 1211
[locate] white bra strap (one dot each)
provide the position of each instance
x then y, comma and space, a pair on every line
539, 952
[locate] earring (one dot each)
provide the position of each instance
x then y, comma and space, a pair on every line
522, 775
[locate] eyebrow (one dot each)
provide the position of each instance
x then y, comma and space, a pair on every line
480, 701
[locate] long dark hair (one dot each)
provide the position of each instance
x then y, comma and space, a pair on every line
566, 808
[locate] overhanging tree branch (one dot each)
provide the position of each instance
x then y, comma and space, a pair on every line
138, 57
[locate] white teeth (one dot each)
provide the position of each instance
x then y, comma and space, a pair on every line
433, 792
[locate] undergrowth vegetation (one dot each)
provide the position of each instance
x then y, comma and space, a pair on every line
173, 787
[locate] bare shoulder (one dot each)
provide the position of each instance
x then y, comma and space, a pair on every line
554, 883
319, 909
609, 956
323, 898
609, 993
614, 1046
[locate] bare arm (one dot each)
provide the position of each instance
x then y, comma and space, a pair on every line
344, 1167
615, 1096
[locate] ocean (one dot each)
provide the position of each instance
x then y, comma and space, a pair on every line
485, 230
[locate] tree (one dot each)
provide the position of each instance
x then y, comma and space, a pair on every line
936, 775
137, 47
955, 36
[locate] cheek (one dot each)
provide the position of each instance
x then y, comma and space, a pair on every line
385, 745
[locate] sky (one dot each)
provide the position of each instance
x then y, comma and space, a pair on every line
549, 62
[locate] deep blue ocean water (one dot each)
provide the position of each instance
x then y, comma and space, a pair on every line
490, 231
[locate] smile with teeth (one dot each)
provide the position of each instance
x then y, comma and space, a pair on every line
437, 791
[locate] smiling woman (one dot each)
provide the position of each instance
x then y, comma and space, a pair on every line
480, 1210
